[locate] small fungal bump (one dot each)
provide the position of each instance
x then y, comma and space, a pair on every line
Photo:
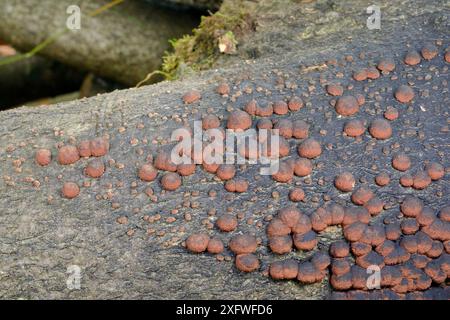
197, 242
191, 97
344, 182
435, 170
284, 270
401, 162
251, 107
447, 56
426, 217
303, 225
362, 195
380, 129
280, 107
147, 172
361, 99
99, 147
309, 148
360, 248
280, 244
320, 219
210, 121
421, 180
411, 206
386, 65
295, 104
360, 74
373, 73
404, 94
227, 223
409, 226
68, 155
290, 216
429, 51
382, 179
321, 260
70, 190
307, 241
392, 231
300, 129
412, 58
302, 167
247, 262
163, 162
296, 195
223, 89
285, 127
339, 249
307, 273
391, 114
337, 213
264, 124
374, 206
354, 214
284, 173
170, 181
277, 227
406, 180
444, 214
242, 244
385, 248
215, 246
43, 157
239, 120
335, 90
354, 231
186, 169
226, 172
341, 282
372, 258
95, 168
84, 148
347, 106
354, 128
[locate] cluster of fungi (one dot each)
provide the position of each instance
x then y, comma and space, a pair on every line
412, 248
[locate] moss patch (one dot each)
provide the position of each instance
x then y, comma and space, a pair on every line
200, 50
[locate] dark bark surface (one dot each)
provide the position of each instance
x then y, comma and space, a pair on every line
41, 234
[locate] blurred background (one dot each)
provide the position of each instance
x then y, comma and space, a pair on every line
54, 51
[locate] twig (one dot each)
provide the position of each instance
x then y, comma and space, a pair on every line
151, 74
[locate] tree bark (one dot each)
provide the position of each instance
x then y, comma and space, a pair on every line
42, 235
124, 43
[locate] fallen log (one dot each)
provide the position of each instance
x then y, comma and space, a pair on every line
115, 240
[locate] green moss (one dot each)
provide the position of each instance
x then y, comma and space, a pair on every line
200, 50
